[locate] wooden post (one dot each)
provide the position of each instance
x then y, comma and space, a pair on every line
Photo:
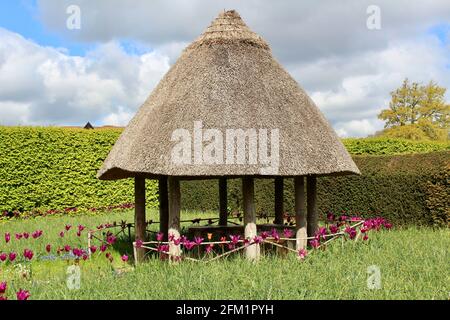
139, 216
248, 190
174, 215
279, 198
311, 189
300, 214
163, 207
223, 203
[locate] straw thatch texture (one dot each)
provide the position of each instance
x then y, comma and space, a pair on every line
228, 79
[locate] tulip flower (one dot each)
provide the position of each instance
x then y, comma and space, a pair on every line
302, 253
111, 239
12, 256
257, 239
287, 233
223, 239
26, 235
48, 248
314, 243
124, 258
209, 248
28, 254
2, 298
67, 248
81, 228
198, 241
68, 227
23, 295
19, 236
93, 249
3, 287
103, 247
264, 235
61, 234
334, 229
274, 234
7, 237
139, 243
189, 245
235, 239
330, 217
351, 232
366, 237
159, 236
3, 257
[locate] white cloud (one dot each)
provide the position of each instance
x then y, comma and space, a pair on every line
42, 85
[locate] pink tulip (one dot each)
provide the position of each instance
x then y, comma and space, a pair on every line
198, 241
257, 239
124, 258
103, 247
209, 248
68, 227
61, 234
302, 253
19, 236
22, 295
85, 257
67, 248
274, 234
314, 243
189, 245
7, 237
3, 257
163, 248
28, 254
26, 235
235, 239
160, 236
48, 248
287, 233
139, 243
264, 235
81, 228
111, 239
330, 217
12, 256
366, 237
334, 229
3, 287
93, 249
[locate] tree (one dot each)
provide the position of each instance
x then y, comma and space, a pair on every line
417, 112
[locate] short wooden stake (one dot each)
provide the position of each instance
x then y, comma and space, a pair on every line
252, 252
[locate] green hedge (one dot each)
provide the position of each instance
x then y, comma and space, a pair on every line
406, 189
55, 168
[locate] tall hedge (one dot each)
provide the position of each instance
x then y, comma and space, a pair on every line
55, 168
406, 189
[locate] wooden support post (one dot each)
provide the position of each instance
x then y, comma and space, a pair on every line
300, 214
311, 190
174, 215
139, 216
223, 202
279, 199
248, 190
163, 207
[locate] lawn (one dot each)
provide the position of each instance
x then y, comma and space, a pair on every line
413, 263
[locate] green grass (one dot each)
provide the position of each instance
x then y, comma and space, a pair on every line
413, 264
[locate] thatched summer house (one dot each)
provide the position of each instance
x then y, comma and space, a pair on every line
228, 109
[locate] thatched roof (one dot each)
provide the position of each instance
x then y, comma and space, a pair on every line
88, 126
228, 79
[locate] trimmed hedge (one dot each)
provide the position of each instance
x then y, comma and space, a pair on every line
407, 189
55, 168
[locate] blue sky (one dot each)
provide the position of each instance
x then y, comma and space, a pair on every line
103, 72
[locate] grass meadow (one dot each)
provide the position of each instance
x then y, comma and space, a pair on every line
414, 264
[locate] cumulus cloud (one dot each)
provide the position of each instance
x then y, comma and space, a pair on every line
347, 69
42, 85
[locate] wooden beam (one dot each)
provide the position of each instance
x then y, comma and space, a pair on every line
174, 215
139, 215
248, 190
311, 190
300, 214
279, 199
223, 202
163, 206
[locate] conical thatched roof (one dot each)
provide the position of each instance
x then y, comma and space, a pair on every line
228, 79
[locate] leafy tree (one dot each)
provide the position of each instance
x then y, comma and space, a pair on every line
417, 112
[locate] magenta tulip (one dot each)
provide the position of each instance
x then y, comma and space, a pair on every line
7, 237
124, 258
23, 295
12, 256
3, 287
3, 257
